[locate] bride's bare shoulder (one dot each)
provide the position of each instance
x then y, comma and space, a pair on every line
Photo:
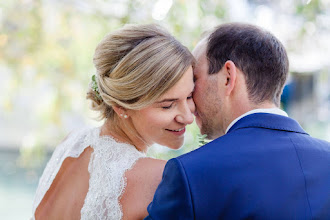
152, 164
142, 182
66, 194
148, 170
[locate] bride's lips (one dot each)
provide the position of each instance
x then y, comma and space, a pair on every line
178, 132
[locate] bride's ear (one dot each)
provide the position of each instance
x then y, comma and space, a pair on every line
120, 111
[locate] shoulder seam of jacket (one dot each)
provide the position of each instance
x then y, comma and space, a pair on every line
294, 146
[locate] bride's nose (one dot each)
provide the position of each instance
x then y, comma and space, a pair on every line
185, 115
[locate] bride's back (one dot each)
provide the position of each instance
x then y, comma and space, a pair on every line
65, 197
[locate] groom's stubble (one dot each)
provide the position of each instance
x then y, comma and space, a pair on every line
210, 113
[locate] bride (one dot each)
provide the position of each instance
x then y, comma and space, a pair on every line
143, 89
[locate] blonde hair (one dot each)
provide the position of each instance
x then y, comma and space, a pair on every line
135, 65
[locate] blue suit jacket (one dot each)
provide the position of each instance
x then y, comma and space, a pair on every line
265, 167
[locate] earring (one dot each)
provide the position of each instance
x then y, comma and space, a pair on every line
125, 116
121, 115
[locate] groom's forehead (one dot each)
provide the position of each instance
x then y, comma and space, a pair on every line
200, 48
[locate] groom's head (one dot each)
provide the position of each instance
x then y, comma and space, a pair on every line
239, 67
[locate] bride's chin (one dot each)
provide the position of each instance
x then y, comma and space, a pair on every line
175, 146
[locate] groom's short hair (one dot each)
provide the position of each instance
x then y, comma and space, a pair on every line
257, 53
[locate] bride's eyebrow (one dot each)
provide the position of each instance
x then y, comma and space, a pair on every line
167, 100
172, 100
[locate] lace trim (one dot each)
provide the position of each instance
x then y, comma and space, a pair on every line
124, 184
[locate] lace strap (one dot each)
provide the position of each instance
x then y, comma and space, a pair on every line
109, 162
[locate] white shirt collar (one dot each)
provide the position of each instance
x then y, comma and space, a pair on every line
276, 111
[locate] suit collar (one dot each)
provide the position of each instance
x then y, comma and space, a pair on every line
268, 121
258, 110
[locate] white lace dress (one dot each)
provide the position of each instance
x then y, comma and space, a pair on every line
107, 166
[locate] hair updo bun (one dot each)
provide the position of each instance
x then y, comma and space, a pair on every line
135, 65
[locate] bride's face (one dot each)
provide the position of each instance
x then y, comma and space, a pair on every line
164, 121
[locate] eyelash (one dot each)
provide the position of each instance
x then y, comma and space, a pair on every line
167, 107
170, 106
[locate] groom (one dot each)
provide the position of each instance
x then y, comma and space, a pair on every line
262, 164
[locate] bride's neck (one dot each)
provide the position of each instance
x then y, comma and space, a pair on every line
123, 133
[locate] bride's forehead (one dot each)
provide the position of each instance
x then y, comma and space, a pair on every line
183, 87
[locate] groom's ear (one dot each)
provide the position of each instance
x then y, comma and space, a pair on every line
230, 75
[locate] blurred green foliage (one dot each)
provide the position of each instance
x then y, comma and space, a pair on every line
46, 49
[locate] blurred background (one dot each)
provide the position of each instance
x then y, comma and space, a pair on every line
46, 50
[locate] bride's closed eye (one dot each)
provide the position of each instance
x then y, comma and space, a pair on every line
168, 107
